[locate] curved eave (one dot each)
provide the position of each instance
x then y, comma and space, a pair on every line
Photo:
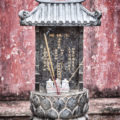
62, 1
24, 23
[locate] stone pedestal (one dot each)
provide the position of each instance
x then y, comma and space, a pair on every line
70, 106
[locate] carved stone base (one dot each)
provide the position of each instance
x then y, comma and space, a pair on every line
65, 106
81, 118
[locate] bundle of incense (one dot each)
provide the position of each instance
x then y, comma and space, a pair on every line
51, 65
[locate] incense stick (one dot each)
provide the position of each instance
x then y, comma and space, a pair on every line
46, 42
61, 73
76, 71
52, 70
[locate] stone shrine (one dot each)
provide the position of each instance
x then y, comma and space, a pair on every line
59, 26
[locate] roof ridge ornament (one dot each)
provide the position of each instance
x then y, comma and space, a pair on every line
25, 14
60, 1
96, 13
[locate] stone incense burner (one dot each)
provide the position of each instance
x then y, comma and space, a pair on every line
59, 26
65, 106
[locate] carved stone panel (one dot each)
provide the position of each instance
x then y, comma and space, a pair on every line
66, 50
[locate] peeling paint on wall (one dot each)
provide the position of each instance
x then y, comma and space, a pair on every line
102, 51
17, 49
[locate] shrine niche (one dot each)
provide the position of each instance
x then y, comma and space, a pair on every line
59, 89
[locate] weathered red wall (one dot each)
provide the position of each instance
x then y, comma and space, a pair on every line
101, 50
17, 48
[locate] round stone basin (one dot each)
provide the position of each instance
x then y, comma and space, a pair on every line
64, 106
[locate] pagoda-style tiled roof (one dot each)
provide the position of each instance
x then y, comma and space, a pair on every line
60, 13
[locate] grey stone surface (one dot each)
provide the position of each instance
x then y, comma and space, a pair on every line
35, 100
66, 114
77, 112
35, 118
69, 46
46, 104
85, 98
85, 108
32, 108
64, 106
65, 99
81, 118
52, 114
82, 100
39, 112
59, 105
24, 14
72, 103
